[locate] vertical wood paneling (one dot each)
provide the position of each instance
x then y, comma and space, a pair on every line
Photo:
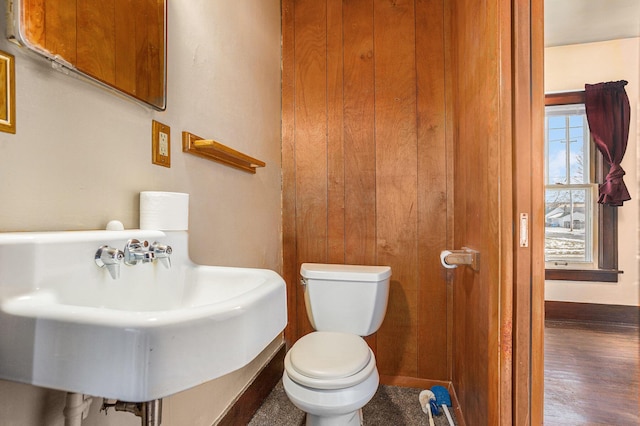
142, 41
335, 135
96, 40
360, 146
125, 48
433, 218
289, 251
119, 42
396, 177
158, 52
34, 22
483, 209
426, 106
60, 28
310, 136
150, 44
366, 163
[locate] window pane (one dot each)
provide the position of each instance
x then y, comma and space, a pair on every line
579, 148
568, 218
557, 162
567, 143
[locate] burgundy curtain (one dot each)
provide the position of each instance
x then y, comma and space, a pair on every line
608, 115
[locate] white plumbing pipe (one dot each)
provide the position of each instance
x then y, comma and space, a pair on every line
76, 408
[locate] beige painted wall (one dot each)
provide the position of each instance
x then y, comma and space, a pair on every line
81, 155
569, 68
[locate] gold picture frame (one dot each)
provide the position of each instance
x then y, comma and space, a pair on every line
7, 93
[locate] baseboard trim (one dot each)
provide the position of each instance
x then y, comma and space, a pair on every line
592, 312
243, 409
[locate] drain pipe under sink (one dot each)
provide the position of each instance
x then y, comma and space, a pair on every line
76, 408
150, 412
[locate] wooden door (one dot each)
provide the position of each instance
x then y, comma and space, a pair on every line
482, 210
497, 320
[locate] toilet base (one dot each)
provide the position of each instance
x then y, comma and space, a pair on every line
332, 407
350, 419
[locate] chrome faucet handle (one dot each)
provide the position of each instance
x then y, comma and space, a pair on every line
110, 258
136, 251
162, 253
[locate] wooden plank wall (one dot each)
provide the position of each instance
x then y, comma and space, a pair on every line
480, 151
119, 42
367, 166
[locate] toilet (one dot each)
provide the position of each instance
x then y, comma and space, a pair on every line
331, 373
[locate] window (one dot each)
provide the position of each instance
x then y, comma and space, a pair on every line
579, 242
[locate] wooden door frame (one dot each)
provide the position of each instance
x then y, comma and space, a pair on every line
528, 198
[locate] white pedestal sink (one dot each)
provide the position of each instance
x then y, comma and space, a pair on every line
66, 324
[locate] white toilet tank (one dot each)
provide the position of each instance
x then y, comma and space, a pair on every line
348, 298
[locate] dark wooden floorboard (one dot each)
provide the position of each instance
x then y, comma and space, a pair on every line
591, 374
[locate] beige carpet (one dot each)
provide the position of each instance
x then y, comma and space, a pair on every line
391, 406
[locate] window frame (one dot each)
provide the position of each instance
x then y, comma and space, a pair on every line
607, 229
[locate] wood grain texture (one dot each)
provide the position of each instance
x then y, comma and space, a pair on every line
289, 252
125, 49
118, 42
60, 28
433, 173
536, 24
526, 69
359, 133
396, 177
34, 22
426, 106
310, 139
482, 208
335, 135
591, 374
363, 133
96, 39
592, 312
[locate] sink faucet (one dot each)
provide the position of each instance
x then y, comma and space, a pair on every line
137, 251
162, 253
110, 258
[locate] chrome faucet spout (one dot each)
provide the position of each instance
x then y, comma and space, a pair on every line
137, 251
110, 258
162, 253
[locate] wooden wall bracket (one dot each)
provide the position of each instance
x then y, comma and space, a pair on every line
215, 151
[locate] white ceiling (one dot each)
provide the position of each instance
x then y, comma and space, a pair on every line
587, 21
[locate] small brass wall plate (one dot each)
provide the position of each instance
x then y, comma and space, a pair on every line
160, 144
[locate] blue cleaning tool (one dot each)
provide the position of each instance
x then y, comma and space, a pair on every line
428, 403
434, 407
443, 399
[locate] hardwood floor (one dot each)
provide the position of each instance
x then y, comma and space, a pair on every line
591, 374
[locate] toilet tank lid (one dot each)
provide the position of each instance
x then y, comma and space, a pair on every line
344, 272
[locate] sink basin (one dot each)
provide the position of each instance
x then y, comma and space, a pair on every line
66, 324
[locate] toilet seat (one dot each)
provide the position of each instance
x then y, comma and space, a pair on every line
330, 360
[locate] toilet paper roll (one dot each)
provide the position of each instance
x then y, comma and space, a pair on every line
164, 211
443, 256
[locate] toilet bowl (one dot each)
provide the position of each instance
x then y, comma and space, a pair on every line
331, 376
331, 373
